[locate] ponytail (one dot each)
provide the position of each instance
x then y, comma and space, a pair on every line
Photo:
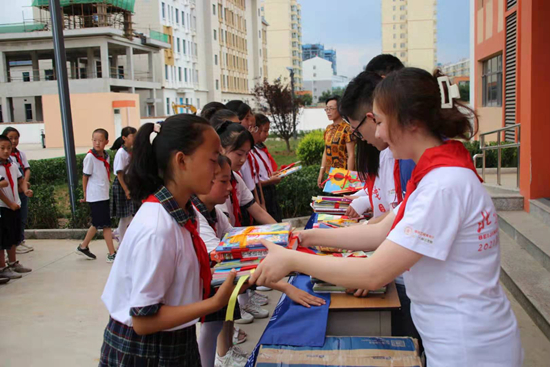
149, 167
117, 144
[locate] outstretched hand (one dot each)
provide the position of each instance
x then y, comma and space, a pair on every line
276, 266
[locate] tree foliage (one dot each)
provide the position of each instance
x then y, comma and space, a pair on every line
329, 93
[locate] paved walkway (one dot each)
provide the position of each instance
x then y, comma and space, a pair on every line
54, 316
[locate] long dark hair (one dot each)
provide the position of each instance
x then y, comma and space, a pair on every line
239, 107
356, 103
412, 96
211, 108
234, 136
261, 119
128, 130
10, 129
221, 116
148, 168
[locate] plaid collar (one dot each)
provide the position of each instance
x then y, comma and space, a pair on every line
210, 216
171, 206
96, 153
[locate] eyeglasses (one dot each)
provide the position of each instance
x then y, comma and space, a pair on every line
355, 130
328, 109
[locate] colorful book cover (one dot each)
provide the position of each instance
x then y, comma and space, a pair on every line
241, 238
343, 181
289, 171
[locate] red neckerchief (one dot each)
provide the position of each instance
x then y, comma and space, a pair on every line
17, 155
267, 166
7, 165
200, 251
450, 154
254, 167
105, 162
369, 185
235, 201
397, 181
274, 166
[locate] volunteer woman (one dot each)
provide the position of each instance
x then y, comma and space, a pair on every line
445, 232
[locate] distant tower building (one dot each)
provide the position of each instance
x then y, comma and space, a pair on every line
309, 51
409, 32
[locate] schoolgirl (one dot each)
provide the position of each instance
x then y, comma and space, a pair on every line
158, 287
267, 167
122, 206
445, 232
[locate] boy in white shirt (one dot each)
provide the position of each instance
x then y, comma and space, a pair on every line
10, 205
95, 184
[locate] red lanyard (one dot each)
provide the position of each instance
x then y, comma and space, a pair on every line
105, 162
7, 165
267, 166
235, 202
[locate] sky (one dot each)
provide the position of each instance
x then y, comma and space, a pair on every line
353, 29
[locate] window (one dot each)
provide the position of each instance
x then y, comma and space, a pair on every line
26, 76
167, 106
215, 35
49, 74
403, 45
185, 74
213, 9
394, 36
177, 16
395, 45
217, 84
402, 35
163, 11
179, 73
403, 54
492, 82
28, 111
185, 47
166, 72
216, 59
394, 26
314, 67
314, 75
183, 18
394, 8
178, 45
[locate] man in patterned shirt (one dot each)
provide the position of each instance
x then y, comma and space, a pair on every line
339, 144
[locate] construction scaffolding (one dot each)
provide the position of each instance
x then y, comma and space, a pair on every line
79, 14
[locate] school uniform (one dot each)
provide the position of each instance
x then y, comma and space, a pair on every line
20, 159
458, 304
98, 171
267, 166
162, 261
250, 174
239, 201
10, 220
121, 207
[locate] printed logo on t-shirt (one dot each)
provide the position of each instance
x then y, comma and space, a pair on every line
381, 208
422, 236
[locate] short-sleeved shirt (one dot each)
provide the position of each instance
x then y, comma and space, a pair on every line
263, 160
249, 174
209, 235
23, 163
244, 195
155, 264
98, 181
122, 160
11, 192
458, 305
337, 135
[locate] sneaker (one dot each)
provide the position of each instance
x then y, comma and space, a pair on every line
246, 318
255, 310
234, 358
239, 336
9, 273
261, 288
85, 252
111, 258
18, 268
258, 298
4, 280
23, 248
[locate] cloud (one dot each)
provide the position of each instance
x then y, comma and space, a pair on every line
352, 59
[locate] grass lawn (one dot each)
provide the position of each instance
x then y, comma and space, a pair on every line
277, 148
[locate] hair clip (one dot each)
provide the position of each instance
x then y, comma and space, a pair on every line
154, 133
452, 89
223, 126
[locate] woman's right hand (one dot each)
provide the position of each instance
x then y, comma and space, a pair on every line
226, 289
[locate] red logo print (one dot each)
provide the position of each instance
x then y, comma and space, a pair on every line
485, 221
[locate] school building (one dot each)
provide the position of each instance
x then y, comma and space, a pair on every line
511, 78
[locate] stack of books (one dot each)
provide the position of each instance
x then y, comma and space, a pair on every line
335, 221
320, 286
342, 181
330, 205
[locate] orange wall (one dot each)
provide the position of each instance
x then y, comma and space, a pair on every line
89, 112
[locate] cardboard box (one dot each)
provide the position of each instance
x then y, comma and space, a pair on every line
345, 351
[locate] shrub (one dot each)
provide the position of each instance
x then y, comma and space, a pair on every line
295, 192
509, 156
82, 212
43, 211
311, 148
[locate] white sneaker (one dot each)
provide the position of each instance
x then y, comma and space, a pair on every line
255, 310
7, 272
261, 288
23, 248
246, 318
258, 298
234, 358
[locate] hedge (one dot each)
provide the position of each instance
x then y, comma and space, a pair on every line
311, 148
295, 192
509, 156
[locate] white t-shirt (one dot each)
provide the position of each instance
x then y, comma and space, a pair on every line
264, 173
244, 196
98, 180
249, 174
458, 305
210, 237
384, 194
155, 263
23, 160
122, 160
11, 192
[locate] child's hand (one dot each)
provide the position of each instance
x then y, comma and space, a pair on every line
224, 292
303, 298
128, 195
358, 292
276, 179
13, 206
83, 200
29, 193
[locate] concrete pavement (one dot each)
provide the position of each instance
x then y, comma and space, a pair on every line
54, 315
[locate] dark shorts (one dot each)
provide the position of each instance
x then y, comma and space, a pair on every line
10, 228
101, 217
220, 314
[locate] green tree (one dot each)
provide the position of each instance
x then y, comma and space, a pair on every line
464, 89
329, 93
307, 99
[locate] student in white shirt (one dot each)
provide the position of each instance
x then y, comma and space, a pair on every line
96, 181
122, 206
159, 285
10, 205
213, 226
20, 159
3, 278
444, 235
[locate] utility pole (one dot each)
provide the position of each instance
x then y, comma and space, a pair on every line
64, 98
293, 99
